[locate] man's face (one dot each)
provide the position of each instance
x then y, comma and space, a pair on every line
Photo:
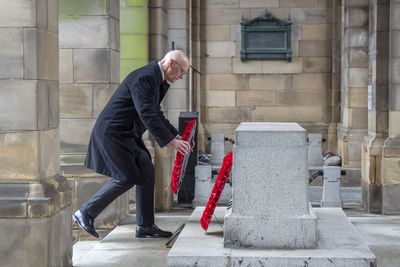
178, 70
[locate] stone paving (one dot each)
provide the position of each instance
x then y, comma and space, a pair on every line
120, 248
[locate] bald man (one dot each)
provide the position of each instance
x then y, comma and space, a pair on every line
116, 148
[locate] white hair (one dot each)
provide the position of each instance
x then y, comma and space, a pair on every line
176, 55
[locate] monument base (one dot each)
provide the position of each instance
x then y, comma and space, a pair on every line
339, 244
276, 232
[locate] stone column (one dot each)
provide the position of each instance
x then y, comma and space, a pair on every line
168, 23
195, 60
163, 159
335, 80
377, 100
134, 30
354, 78
270, 208
177, 99
89, 73
391, 147
35, 201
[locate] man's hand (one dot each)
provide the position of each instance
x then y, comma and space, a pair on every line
180, 145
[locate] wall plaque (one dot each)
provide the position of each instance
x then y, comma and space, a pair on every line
266, 37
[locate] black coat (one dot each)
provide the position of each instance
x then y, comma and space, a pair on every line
116, 148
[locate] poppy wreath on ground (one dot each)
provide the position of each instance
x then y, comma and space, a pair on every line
219, 185
178, 170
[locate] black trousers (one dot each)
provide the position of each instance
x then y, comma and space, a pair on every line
114, 188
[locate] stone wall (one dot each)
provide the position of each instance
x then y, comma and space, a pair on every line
89, 68
266, 90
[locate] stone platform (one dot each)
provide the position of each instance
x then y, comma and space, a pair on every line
339, 244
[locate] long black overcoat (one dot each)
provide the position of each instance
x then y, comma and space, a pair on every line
116, 148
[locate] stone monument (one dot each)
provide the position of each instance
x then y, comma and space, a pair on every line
271, 222
270, 208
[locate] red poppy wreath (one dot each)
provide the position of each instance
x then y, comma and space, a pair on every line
178, 170
219, 185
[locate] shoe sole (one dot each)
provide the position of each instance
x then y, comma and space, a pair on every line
152, 236
75, 220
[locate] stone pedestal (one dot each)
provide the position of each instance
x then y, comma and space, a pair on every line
315, 150
270, 208
204, 183
331, 195
217, 148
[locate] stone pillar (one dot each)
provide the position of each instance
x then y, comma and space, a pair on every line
177, 100
195, 77
158, 46
134, 30
354, 78
391, 147
203, 185
331, 195
158, 29
89, 73
377, 100
35, 201
335, 80
270, 208
169, 23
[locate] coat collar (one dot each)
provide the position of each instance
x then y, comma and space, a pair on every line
161, 84
156, 68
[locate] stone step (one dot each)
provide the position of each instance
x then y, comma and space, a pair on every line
121, 248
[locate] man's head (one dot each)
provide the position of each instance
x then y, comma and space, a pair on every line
175, 65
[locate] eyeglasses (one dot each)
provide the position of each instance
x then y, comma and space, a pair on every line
183, 72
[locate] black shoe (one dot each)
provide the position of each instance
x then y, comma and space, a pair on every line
151, 231
85, 223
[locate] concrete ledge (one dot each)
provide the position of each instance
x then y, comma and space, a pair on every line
339, 244
37, 199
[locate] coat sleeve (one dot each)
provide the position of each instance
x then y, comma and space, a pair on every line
171, 128
144, 97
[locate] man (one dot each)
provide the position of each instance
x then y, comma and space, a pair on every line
116, 148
